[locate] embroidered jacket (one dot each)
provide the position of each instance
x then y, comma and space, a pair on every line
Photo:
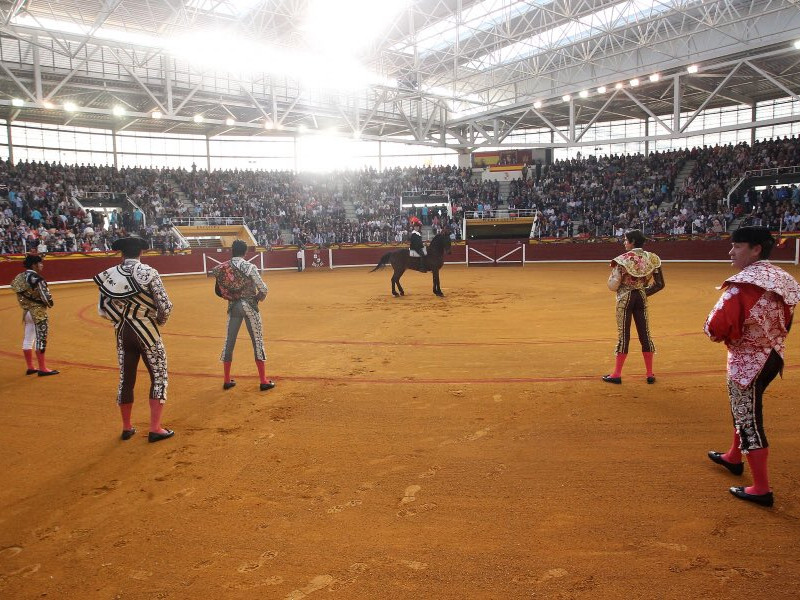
636, 270
252, 293
132, 293
753, 317
33, 294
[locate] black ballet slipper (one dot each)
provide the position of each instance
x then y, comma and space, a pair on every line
31, 371
735, 468
610, 379
267, 386
651, 379
128, 433
228, 384
157, 437
760, 499
46, 373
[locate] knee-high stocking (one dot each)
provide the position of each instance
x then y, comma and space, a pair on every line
226, 366
757, 461
262, 370
28, 358
156, 408
126, 410
648, 362
620, 361
734, 454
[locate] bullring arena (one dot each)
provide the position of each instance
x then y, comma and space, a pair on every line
459, 441
415, 447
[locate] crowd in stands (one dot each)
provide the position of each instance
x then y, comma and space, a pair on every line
586, 197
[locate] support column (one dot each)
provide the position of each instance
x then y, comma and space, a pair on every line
676, 104
380, 156
10, 144
37, 69
208, 153
752, 129
295, 153
646, 133
114, 146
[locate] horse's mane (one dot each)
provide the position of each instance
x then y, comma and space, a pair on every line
438, 241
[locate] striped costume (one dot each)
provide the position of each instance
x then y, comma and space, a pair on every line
34, 298
635, 275
245, 308
133, 297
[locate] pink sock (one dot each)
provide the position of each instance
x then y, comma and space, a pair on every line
29, 358
734, 455
227, 368
262, 370
156, 408
42, 362
126, 410
757, 461
620, 360
648, 362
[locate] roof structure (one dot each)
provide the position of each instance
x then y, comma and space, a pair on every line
457, 73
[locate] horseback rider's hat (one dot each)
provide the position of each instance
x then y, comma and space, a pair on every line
129, 245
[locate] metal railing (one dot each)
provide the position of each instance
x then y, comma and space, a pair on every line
204, 221
771, 172
500, 213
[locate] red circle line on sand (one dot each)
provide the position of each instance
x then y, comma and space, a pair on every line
82, 316
391, 381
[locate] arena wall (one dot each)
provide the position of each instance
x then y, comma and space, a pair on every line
70, 267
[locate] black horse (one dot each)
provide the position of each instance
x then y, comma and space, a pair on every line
400, 261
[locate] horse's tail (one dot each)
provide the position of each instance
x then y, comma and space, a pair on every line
383, 261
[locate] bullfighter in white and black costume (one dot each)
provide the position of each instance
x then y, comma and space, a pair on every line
34, 298
239, 282
133, 297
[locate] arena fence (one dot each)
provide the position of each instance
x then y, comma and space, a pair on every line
77, 267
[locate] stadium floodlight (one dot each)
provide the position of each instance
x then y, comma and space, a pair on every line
583, 94
692, 69
655, 77
70, 106
48, 105
618, 86
118, 111
634, 82
537, 104
797, 44
269, 124
156, 114
602, 89
198, 118
357, 135
17, 102
229, 122
566, 97
302, 129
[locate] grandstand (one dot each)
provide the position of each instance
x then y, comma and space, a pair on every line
535, 134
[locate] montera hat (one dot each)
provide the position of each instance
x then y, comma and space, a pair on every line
753, 235
129, 244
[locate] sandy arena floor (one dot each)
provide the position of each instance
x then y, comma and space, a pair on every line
419, 447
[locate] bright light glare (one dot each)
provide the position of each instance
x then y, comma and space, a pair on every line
566, 97
156, 114
601, 89
617, 86
118, 111
326, 153
198, 118
48, 105
797, 44
229, 121
634, 82
70, 107
222, 52
347, 25
17, 102
537, 104
583, 94
692, 69
655, 77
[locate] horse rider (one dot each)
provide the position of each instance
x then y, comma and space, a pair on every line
417, 247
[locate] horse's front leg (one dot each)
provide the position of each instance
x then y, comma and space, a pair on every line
394, 291
436, 287
400, 287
